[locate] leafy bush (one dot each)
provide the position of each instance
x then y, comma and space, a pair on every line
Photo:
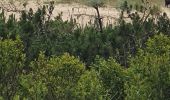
33, 83
64, 73
112, 76
12, 61
89, 87
53, 78
149, 71
27, 73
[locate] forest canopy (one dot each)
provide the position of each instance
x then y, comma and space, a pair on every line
51, 59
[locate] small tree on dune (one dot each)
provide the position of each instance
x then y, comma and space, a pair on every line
96, 4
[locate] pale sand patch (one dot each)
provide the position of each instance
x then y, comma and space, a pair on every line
166, 10
83, 14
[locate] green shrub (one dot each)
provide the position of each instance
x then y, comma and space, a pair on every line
64, 73
12, 61
33, 83
52, 78
149, 76
89, 87
112, 76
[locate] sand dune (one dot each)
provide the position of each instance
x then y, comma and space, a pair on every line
83, 14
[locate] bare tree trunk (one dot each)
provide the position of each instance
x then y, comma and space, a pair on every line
99, 19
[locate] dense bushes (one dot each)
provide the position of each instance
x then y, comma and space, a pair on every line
149, 71
12, 61
65, 77
55, 37
53, 78
42, 58
89, 87
112, 76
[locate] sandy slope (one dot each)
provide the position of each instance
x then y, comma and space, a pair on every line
167, 10
84, 14
81, 13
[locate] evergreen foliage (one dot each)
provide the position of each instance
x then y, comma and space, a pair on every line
50, 59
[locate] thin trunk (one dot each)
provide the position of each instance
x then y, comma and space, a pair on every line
99, 19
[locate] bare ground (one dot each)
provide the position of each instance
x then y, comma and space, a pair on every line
83, 14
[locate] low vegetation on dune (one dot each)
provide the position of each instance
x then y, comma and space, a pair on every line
45, 58
111, 2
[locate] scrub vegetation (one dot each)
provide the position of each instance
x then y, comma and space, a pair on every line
51, 59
